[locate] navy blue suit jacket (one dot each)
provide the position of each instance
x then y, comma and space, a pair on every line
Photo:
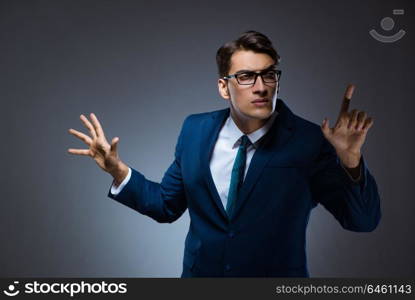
293, 169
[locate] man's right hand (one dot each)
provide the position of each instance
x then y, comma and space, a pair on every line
104, 154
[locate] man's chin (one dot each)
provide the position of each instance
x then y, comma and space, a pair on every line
260, 114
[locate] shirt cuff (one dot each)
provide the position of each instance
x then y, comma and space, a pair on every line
350, 176
115, 190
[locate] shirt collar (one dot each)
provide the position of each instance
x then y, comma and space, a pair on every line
233, 134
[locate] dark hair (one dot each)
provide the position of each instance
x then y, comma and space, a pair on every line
249, 40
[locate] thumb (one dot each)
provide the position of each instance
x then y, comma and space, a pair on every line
325, 128
114, 144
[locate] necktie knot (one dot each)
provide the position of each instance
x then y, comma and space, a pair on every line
245, 142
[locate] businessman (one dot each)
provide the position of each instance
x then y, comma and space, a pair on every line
250, 174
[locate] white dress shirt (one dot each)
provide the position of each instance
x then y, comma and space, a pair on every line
225, 150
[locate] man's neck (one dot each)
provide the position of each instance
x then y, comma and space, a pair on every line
246, 125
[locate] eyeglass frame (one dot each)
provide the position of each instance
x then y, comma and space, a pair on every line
260, 73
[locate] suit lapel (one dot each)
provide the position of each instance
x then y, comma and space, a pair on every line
271, 143
211, 129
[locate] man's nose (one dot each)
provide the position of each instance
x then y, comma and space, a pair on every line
259, 86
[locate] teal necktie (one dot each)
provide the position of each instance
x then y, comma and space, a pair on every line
237, 176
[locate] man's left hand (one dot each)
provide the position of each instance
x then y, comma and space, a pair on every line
349, 132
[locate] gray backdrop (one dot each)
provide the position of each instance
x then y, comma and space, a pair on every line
142, 68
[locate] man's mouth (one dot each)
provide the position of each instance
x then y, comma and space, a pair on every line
260, 100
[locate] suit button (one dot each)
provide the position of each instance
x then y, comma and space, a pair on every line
231, 234
227, 267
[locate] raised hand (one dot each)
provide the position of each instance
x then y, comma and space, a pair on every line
349, 133
104, 154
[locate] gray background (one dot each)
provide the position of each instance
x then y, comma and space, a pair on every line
142, 68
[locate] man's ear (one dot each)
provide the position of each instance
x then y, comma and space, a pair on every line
223, 88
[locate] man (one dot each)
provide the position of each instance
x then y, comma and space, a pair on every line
250, 174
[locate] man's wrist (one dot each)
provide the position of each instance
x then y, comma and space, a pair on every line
350, 160
119, 173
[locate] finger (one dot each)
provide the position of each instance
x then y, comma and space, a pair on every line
361, 117
97, 125
353, 119
349, 91
86, 139
114, 144
346, 99
340, 122
368, 123
85, 152
325, 127
89, 126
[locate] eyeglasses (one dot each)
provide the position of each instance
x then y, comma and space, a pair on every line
249, 78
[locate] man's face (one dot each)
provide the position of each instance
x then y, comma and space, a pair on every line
242, 97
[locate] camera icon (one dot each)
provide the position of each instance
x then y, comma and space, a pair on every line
11, 289
387, 24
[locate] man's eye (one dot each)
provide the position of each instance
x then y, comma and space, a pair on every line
270, 74
246, 76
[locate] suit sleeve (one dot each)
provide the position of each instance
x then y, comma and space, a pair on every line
355, 204
164, 202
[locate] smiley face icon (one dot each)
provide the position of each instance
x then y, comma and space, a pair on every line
387, 24
12, 289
